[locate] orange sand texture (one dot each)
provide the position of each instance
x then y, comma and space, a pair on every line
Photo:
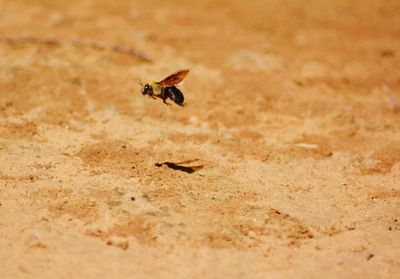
291, 111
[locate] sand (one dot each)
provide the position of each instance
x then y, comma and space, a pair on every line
291, 137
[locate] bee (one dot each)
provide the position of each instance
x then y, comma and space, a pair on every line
166, 88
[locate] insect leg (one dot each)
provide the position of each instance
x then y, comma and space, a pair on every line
164, 101
164, 95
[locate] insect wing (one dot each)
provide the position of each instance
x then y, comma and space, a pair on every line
174, 78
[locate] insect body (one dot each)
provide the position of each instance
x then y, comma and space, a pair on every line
166, 88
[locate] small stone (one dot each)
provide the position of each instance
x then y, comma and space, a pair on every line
118, 242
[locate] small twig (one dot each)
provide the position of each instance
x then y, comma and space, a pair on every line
29, 40
78, 43
131, 51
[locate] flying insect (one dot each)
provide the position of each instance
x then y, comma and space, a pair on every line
166, 88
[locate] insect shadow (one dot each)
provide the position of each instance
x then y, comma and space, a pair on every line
179, 167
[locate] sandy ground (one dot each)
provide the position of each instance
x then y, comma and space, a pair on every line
291, 113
